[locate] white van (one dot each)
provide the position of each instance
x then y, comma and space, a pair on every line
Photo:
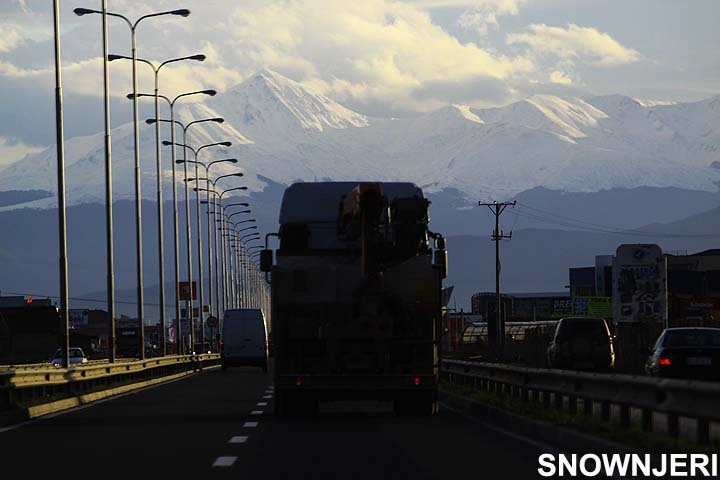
243, 339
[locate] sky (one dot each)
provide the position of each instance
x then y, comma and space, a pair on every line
378, 57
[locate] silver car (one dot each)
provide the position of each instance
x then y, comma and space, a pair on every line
77, 357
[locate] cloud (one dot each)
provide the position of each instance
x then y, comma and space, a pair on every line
380, 57
362, 52
575, 43
10, 37
560, 78
483, 14
12, 151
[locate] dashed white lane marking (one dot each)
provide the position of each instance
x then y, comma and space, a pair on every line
238, 439
267, 397
256, 412
262, 404
250, 424
224, 461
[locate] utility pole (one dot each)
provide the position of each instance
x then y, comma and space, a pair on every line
496, 326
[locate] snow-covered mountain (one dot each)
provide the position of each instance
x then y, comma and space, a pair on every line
283, 132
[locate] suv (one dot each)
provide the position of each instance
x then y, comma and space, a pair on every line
581, 343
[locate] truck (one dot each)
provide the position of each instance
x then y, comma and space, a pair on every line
356, 286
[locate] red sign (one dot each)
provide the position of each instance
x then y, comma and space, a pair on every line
184, 291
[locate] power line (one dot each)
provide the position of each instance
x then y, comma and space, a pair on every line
80, 299
547, 217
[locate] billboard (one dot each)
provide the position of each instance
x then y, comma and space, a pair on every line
639, 284
595, 307
78, 317
185, 292
561, 307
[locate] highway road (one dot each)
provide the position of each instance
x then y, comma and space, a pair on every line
221, 425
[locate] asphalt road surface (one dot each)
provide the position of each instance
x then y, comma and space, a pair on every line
221, 425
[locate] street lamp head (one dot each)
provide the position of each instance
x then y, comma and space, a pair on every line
209, 92
166, 142
200, 57
217, 120
150, 121
177, 161
113, 56
239, 174
225, 144
183, 12
82, 11
232, 160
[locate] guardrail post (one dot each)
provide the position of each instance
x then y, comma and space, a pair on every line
703, 431
605, 411
673, 425
572, 403
647, 420
624, 416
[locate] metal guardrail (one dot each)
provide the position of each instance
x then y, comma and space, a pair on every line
45, 365
23, 388
562, 389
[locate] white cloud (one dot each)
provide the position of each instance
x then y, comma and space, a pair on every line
377, 56
560, 78
575, 43
10, 37
483, 14
11, 152
362, 52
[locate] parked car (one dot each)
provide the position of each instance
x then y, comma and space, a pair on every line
77, 356
686, 353
581, 343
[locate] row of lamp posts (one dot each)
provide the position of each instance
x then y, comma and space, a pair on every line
233, 270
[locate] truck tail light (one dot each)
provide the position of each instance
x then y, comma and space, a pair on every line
416, 381
665, 362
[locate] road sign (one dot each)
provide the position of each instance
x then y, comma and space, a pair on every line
184, 291
212, 322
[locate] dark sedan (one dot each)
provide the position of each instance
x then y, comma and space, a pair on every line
692, 353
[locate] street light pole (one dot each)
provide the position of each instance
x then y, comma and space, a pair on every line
185, 161
62, 224
108, 192
136, 137
158, 156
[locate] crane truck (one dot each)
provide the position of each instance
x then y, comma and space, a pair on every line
356, 297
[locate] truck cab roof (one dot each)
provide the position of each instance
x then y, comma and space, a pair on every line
317, 202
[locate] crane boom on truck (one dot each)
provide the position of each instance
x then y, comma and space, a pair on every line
356, 296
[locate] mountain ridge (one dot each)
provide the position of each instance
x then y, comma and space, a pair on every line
283, 131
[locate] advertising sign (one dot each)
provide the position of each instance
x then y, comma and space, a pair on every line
639, 284
561, 307
595, 307
185, 292
78, 317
